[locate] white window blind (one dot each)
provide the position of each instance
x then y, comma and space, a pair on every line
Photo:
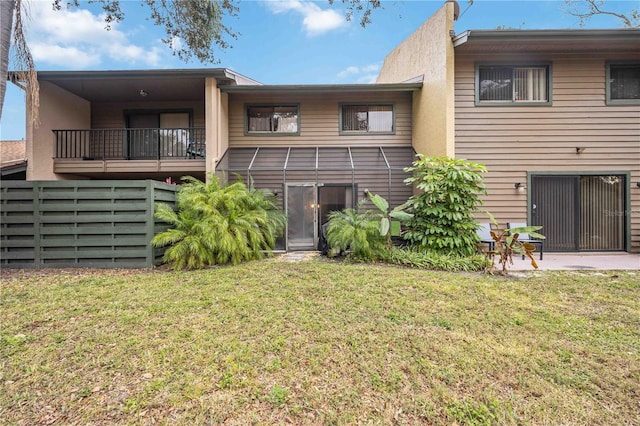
272, 119
530, 84
367, 118
513, 84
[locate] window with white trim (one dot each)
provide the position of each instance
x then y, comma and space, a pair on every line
623, 83
272, 119
373, 118
512, 84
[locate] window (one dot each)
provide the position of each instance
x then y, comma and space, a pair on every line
512, 84
272, 119
623, 83
367, 118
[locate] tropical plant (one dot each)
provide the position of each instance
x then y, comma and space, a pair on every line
386, 215
408, 256
443, 212
356, 230
216, 224
506, 243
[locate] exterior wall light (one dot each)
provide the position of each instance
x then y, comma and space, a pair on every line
519, 186
143, 93
580, 150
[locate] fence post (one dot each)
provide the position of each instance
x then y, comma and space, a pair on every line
37, 261
150, 231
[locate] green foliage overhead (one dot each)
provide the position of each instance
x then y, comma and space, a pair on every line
193, 28
443, 220
216, 224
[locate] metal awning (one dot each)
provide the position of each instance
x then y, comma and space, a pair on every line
368, 166
316, 158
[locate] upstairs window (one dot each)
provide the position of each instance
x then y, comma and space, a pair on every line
273, 119
503, 84
623, 83
356, 119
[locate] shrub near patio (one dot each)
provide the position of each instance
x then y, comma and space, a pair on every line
439, 222
443, 218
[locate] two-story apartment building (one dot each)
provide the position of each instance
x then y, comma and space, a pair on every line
316, 147
555, 116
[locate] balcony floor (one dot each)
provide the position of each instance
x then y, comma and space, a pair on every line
134, 169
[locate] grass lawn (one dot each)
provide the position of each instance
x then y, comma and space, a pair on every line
318, 342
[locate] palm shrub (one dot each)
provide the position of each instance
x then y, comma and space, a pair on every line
217, 224
356, 230
443, 212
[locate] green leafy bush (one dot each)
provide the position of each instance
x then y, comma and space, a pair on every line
443, 212
356, 230
216, 224
408, 256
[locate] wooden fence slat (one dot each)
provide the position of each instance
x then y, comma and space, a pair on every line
81, 223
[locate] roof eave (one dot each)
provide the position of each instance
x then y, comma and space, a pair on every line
220, 74
307, 88
469, 36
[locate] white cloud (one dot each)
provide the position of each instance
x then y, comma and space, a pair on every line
348, 71
315, 20
364, 74
63, 56
77, 39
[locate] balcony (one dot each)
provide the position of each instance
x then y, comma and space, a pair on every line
137, 152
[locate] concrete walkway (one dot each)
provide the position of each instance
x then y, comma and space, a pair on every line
580, 261
552, 261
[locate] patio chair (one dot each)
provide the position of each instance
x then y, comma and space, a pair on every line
484, 232
195, 149
526, 238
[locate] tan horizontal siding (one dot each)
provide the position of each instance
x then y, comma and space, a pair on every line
514, 140
319, 120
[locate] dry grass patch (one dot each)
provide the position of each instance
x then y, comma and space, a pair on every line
319, 342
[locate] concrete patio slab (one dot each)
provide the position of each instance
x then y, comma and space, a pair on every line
580, 261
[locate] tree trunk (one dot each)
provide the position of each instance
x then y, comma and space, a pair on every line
6, 21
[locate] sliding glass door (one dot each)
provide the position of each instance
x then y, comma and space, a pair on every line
580, 212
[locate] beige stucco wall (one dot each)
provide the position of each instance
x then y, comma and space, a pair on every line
428, 52
59, 109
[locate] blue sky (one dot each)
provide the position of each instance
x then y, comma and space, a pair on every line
279, 41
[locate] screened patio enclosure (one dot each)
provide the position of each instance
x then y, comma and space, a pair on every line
309, 182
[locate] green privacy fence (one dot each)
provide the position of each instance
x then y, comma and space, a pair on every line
106, 224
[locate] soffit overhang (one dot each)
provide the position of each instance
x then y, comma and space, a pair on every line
324, 88
581, 42
125, 85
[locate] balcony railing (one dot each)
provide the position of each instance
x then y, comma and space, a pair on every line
131, 144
